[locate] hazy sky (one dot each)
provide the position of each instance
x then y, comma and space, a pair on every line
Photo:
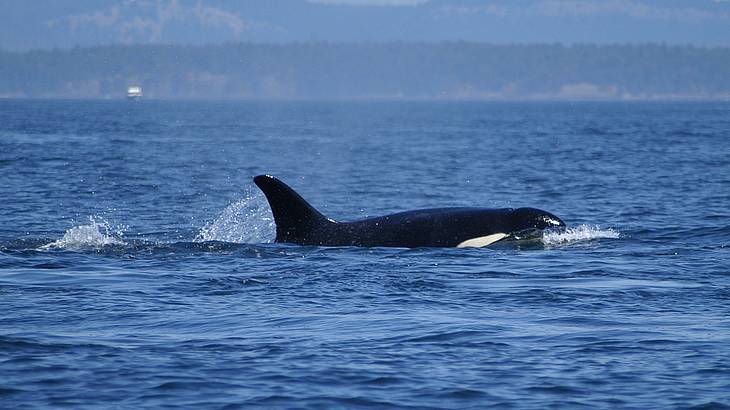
53, 23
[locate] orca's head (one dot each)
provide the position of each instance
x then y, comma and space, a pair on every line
531, 219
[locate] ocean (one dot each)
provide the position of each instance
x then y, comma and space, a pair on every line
138, 269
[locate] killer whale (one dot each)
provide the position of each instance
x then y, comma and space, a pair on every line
299, 223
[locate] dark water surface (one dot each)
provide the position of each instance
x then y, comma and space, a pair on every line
136, 269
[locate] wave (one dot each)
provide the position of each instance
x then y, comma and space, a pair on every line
581, 233
97, 233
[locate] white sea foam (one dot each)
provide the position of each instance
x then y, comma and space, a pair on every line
97, 233
579, 233
247, 220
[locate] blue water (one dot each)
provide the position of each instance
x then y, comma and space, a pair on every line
137, 269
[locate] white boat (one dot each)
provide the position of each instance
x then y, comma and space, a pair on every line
134, 92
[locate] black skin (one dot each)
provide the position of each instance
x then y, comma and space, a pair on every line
298, 222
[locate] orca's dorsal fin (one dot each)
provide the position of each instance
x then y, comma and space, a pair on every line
295, 218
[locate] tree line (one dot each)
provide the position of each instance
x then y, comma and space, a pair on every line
453, 70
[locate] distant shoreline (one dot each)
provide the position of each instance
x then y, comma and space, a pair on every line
398, 71
657, 99
439, 43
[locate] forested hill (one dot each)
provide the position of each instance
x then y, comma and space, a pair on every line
455, 70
